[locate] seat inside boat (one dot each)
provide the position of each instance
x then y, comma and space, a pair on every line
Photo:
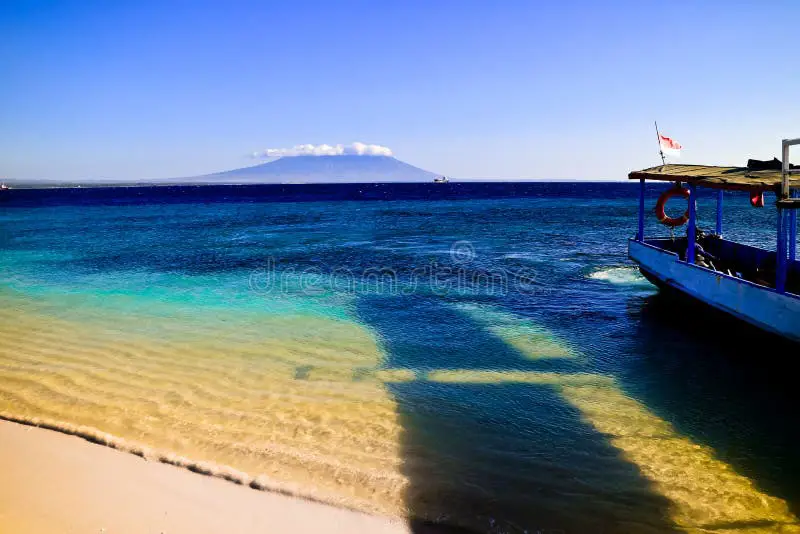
742, 261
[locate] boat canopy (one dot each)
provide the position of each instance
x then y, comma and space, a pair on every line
729, 178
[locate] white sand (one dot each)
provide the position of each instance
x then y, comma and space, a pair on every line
54, 483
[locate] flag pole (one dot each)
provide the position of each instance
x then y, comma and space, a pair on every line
660, 150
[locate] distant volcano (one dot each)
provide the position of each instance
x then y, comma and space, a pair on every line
322, 169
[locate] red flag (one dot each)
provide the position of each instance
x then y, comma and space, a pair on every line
669, 145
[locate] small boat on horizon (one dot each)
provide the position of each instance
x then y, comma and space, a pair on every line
756, 285
441, 180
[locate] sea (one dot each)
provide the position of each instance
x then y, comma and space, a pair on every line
478, 356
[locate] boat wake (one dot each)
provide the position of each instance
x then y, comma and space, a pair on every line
628, 276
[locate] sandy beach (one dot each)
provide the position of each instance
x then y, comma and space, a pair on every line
55, 483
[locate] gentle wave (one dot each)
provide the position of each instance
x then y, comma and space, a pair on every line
211, 469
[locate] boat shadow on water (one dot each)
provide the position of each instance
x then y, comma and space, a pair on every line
488, 443
723, 384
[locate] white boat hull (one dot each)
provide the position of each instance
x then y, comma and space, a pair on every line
758, 305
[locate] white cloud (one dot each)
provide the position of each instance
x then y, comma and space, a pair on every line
353, 149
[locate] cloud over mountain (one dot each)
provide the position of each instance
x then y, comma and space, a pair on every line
353, 149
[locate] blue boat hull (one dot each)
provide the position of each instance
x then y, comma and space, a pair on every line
758, 305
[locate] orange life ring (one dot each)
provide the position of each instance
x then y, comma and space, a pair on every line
662, 216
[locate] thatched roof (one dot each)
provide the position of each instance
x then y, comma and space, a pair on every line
732, 178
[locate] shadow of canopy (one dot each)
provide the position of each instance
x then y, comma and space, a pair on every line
730, 387
484, 452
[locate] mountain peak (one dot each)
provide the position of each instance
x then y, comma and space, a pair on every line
324, 169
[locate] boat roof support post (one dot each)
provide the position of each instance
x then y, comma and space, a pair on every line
719, 212
640, 232
793, 234
780, 251
692, 231
787, 170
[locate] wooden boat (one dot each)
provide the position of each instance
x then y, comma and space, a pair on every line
756, 285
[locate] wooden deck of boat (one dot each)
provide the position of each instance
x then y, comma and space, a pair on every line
730, 178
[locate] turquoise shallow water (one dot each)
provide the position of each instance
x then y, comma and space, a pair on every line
478, 356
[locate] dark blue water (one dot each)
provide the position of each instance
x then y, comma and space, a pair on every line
308, 192
527, 281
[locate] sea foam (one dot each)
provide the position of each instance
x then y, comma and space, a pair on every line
620, 276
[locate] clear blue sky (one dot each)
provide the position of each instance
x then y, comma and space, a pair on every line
104, 89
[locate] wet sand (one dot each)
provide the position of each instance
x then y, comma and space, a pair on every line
273, 399
53, 482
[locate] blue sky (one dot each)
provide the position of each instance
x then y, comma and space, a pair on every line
102, 89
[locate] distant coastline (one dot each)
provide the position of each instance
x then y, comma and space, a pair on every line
53, 184
295, 170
